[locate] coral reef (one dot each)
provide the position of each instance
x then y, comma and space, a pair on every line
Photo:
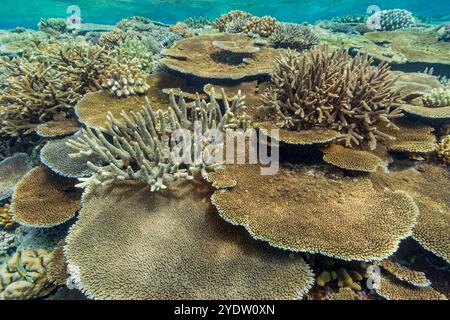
443, 149
12, 170
13, 286
197, 22
310, 91
350, 159
295, 36
224, 20
402, 273
410, 137
44, 200
261, 26
117, 37
444, 33
6, 217
180, 255
439, 97
140, 149
55, 156
344, 294
388, 20
136, 52
57, 267
307, 211
124, 80
198, 57
394, 289
60, 128
182, 29
53, 26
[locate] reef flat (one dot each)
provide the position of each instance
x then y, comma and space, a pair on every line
119, 180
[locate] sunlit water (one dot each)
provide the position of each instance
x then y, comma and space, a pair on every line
26, 13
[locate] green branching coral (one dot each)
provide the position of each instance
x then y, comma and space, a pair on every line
136, 51
438, 97
141, 149
295, 36
332, 89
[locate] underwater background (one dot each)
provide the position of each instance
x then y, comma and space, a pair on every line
27, 12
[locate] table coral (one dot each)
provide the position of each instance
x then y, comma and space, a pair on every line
179, 245
12, 169
307, 211
402, 273
14, 287
44, 200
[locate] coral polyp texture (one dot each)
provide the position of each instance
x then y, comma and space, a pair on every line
295, 36
388, 20
223, 22
60, 128
350, 159
178, 255
443, 149
32, 263
331, 89
439, 97
402, 273
12, 169
261, 26
394, 289
42, 199
124, 80
141, 148
197, 56
6, 217
338, 217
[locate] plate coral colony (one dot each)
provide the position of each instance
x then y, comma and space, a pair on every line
95, 205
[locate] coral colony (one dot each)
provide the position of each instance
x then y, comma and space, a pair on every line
140, 145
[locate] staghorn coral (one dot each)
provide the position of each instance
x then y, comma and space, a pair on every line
14, 287
443, 149
237, 25
394, 289
12, 169
336, 91
388, 20
124, 80
6, 217
43, 91
180, 256
402, 273
198, 22
261, 26
438, 97
350, 159
55, 156
141, 148
134, 51
44, 200
335, 216
295, 36
224, 20
198, 57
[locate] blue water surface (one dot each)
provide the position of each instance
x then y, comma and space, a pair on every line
26, 13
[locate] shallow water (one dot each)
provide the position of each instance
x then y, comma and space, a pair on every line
26, 12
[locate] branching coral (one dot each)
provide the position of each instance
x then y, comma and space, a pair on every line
141, 149
222, 22
6, 217
134, 51
438, 97
334, 90
197, 22
387, 20
53, 26
124, 80
116, 38
295, 36
261, 26
182, 29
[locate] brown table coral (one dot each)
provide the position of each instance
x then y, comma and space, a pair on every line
306, 210
199, 57
178, 254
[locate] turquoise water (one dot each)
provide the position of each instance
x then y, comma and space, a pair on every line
26, 13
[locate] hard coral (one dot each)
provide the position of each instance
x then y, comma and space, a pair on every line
140, 149
124, 80
305, 210
179, 254
263, 27
116, 38
6, 217
439, 97
443, 149
336, 91
388, 20
222, 22
295, 36
12, 169
44, 200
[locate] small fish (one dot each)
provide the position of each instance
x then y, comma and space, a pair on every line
22, 270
